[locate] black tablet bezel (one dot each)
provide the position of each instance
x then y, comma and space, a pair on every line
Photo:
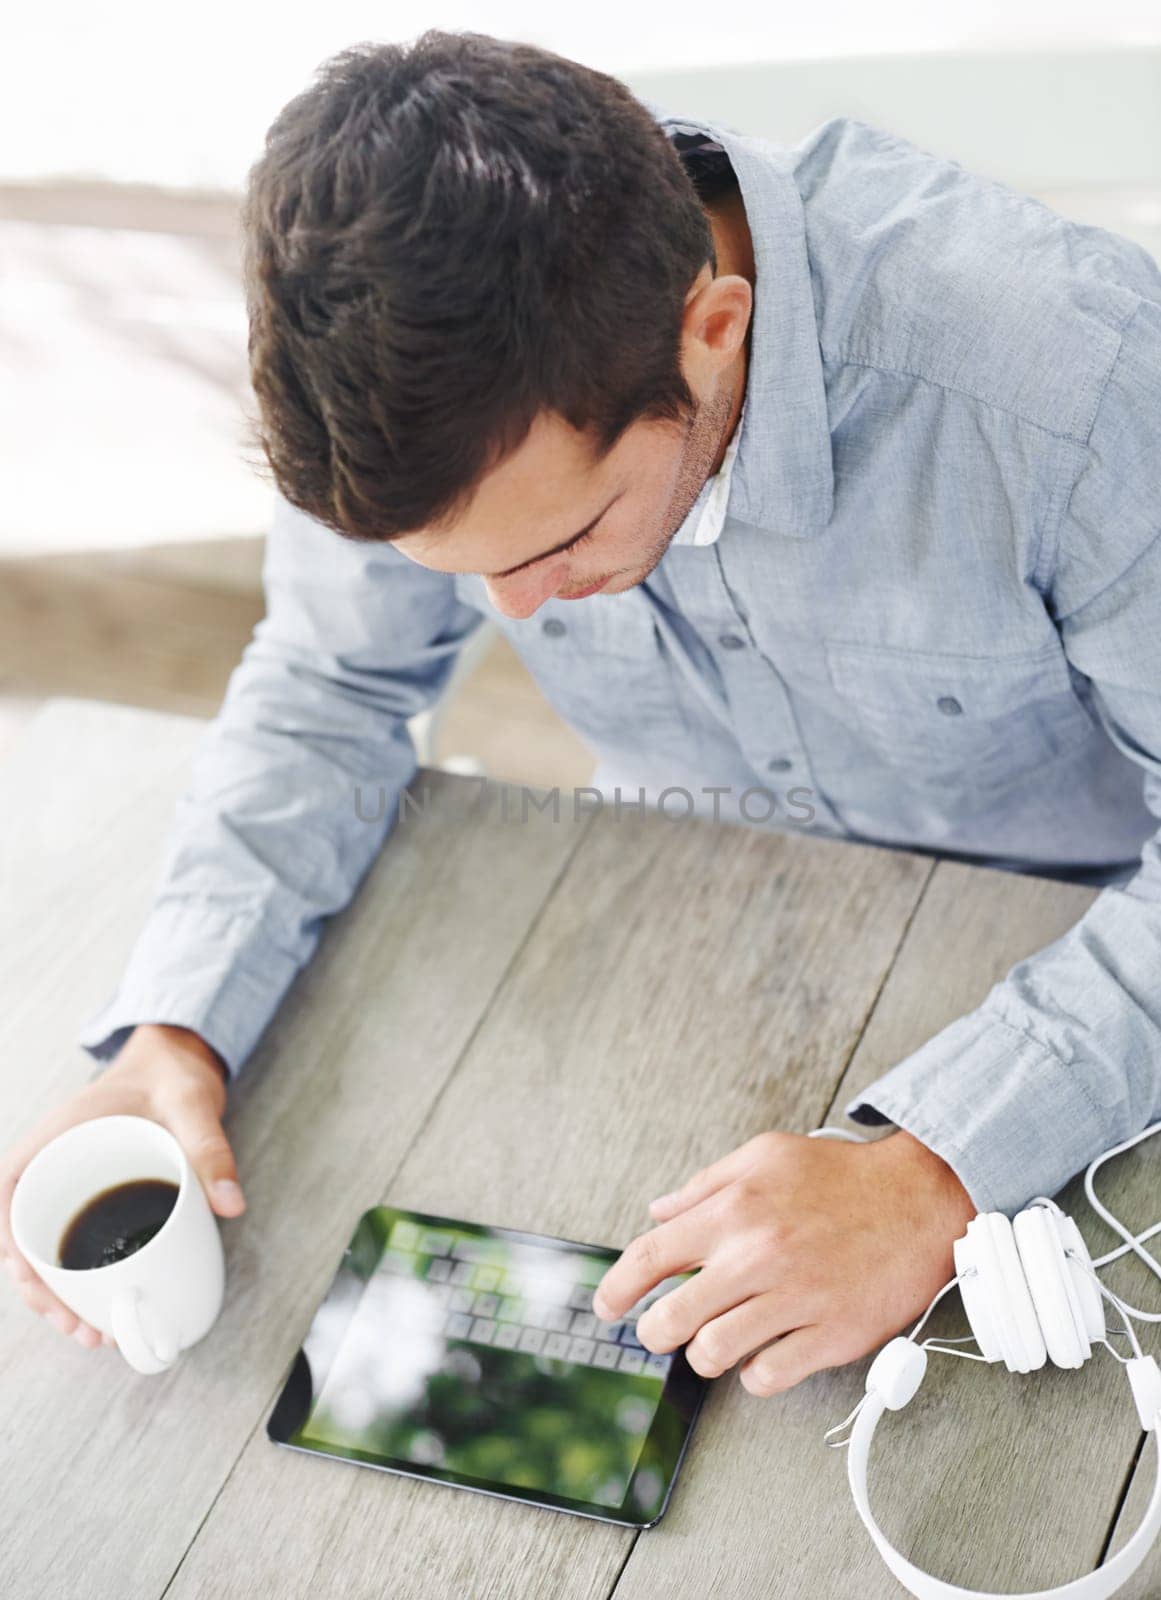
680, 1401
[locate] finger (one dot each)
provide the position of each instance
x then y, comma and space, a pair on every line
28, 1281
746, 1327
31, 1288
78, 1109
13, 1167
18, 1268
191, 1116
7, 1188
704, 1183
783, 1364
676, 1317
656, 1254
37, 1297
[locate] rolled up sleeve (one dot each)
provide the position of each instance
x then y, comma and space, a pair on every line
294, 785
1063, 1057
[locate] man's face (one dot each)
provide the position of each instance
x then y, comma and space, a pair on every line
549, 521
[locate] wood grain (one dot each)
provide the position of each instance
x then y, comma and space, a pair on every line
541, 1025
681, 990
1131, 1188
116, 630
992, 1480
108, 1475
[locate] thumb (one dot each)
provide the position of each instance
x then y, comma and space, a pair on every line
197, 1128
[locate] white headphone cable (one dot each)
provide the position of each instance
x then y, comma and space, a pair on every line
928, 1344
1123, 1310
1133, 1242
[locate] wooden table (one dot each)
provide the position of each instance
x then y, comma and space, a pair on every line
539, 1025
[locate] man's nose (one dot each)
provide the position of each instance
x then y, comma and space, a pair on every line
525, 592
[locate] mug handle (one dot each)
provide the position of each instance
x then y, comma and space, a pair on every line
142, 1355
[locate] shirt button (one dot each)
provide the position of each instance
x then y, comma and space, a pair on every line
780, 764
731, 641
553, 627
949, 705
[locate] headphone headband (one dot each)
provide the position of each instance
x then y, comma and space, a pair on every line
1099, 1585
1031, 1294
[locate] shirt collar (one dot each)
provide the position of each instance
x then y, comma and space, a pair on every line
783, 477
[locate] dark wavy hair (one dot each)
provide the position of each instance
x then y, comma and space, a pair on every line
441, 240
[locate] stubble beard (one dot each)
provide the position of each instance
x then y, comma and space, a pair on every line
703, 439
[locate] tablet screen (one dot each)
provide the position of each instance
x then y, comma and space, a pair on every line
472, 1355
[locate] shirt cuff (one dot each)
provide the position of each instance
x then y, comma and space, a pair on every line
201, 967
1010, 1118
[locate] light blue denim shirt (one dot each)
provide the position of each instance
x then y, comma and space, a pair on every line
932, 619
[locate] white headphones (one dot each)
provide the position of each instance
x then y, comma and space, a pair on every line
1031, 1294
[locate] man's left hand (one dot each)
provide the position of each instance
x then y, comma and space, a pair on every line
806, 1253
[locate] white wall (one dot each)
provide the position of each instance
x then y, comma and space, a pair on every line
153, 93
1036, 120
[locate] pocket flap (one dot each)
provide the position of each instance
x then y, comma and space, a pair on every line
914, 681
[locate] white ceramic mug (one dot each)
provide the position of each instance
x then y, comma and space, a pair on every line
167, 1295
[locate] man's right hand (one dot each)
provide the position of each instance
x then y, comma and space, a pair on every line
168, 1074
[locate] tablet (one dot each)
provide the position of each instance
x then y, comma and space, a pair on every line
471, 1355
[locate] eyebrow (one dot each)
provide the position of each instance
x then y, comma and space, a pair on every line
565, 544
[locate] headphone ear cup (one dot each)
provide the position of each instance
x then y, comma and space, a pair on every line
996, 1296
1048, 1275
1090, 1308
976, 1294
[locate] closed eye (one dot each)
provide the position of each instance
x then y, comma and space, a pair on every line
568, 544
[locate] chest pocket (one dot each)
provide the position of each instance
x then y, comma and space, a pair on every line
959, 722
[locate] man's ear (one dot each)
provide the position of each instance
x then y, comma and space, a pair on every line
714, 323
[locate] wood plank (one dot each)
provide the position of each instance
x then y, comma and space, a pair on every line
1130, 1186
680, 992
108, 630
978, 1478
100, 203
359, 1054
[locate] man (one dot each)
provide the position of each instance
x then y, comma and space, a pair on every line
854, 462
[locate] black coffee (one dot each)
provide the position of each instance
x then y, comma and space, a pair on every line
115, 1223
